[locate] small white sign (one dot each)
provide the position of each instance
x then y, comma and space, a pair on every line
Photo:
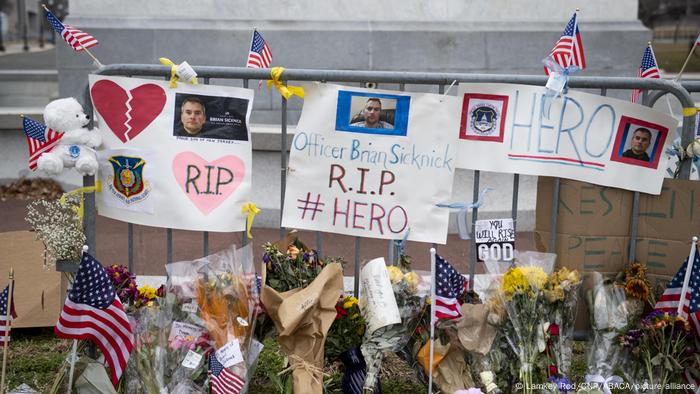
183, 330
230, 354
190, 308
255, 348
192, 360
495, 239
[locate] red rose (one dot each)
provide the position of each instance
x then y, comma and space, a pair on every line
553, 330
341, 312
553, 370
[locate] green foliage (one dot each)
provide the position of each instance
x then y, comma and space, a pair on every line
34, 356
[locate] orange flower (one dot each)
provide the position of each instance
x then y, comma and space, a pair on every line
637, 288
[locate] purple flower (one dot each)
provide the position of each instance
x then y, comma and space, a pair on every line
266, 258
562, 382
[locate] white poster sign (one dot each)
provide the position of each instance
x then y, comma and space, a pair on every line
372, 163
178, 158
586, 137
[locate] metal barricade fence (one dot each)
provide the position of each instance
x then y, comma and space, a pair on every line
440, 80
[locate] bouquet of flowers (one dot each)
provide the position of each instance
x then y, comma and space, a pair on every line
659, 352
210, 307
637, 289
59, 227
300, 295
347, 329
560, 296
521, 293
392, 300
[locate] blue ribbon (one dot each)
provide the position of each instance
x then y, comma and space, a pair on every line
400, 244
462, 224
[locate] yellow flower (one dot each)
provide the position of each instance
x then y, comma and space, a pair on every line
395, 274
555, 294
349, 302
292, 251
147, 291
412, 279
535, 276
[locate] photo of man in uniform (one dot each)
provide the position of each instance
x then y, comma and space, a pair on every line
371, 113
193, 117
641, 139
210, 117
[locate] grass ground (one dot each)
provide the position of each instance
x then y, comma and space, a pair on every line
36, 355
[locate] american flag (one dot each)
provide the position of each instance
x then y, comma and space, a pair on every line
449, 285
39, 138
648, 69
93, 311
4, 323
568, 51
254, 288
77, 39
691, 304
260, 55
223, 381
697, 41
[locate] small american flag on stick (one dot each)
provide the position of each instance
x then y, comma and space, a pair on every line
40, 139
648, 69
76, 38
5, 323
568, 50
260, 55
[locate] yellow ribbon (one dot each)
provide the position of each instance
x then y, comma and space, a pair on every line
251, 209
80, 209
285, 91
173, 72
689, 111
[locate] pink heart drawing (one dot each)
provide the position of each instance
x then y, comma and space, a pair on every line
127, 113
208, 183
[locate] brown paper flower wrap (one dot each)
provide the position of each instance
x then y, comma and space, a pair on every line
302, 318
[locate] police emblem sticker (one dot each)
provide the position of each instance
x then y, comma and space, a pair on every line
127, 183
483, 117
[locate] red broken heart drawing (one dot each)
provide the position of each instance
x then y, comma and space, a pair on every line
127, 113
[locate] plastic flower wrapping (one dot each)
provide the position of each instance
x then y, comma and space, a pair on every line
522, 295
207, 310
609, 313
560, 299
392, 300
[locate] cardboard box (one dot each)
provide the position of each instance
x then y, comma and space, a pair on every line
39, 293
593, 225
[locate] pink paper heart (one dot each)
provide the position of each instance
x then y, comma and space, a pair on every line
208, 183
127, 113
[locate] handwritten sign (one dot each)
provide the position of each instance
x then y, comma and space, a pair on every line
495, 239
230, 354
192, 360
377, 301
184, 330
372, 163
173, 157
586, 137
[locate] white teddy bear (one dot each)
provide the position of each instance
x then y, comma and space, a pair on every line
77, 146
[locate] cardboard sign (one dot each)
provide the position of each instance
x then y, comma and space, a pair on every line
593, 225
178, 158
586, 137
495, 239
351, 172
38, 292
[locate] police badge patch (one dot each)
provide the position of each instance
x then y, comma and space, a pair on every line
126, 182
483, 117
